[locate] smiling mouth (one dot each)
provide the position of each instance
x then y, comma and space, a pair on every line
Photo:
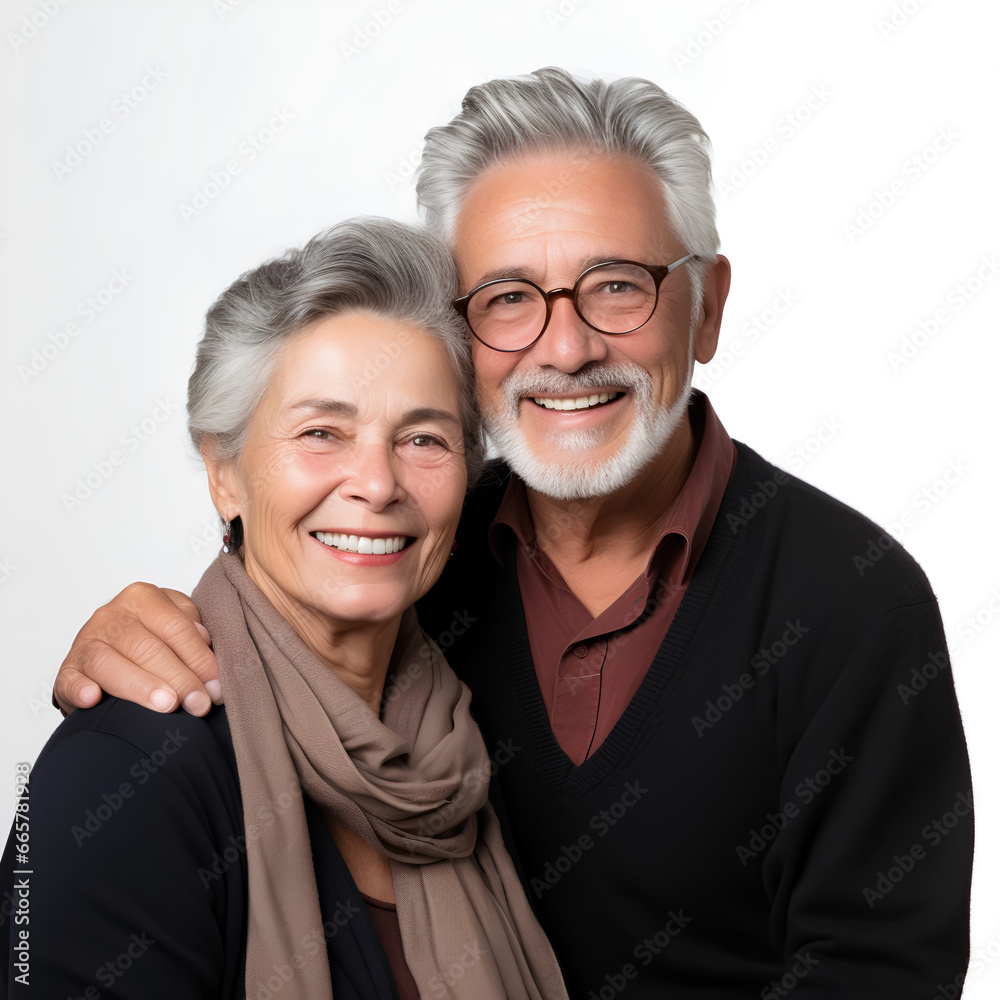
362, 544
579, 403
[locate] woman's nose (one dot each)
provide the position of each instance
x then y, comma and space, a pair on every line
373, 480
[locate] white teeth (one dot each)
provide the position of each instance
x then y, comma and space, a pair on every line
581, 403
361, 543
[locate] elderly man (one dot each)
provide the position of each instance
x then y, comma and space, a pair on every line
728, 751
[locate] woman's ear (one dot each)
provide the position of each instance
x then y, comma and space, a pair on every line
223, 484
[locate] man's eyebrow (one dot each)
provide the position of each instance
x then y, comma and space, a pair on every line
508, 272
337, 407
530, 274
430, 413
604, 258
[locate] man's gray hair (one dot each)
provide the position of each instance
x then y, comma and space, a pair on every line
551, 110
373, 265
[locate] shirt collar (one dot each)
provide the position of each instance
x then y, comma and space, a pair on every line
690, 516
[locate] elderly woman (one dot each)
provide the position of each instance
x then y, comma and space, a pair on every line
326, 833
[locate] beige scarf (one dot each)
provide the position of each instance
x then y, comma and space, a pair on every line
413, 785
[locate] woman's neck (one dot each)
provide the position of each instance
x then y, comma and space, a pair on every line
357, 652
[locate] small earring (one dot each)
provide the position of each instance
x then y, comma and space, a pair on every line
454, 548
225, 537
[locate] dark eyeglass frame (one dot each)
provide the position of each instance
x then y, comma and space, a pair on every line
656, 271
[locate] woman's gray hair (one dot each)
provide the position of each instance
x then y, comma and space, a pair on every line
550, 110
374, 265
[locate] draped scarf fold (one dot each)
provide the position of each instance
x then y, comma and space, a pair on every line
413, 784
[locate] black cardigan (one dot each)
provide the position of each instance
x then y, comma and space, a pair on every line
786, 801
138, 884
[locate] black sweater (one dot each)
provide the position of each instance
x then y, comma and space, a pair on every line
786, 801
136, 878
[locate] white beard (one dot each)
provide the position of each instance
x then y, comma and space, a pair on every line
576, 477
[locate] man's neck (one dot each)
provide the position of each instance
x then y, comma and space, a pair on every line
622, 528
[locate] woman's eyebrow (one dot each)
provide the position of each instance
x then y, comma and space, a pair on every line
429, 413
335, 406
341, 407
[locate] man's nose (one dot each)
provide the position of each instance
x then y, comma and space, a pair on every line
568, 343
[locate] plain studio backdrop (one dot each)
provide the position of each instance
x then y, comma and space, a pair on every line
154, 151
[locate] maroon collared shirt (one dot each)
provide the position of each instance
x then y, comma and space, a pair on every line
589, 668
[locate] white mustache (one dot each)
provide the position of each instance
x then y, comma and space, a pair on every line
545, 382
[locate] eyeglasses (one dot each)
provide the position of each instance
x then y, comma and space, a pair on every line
510, 314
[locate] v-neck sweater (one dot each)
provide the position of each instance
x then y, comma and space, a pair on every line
763, 813
586, 686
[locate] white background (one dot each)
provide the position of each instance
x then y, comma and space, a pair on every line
885, 85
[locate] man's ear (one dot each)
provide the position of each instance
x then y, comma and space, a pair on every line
713, 301
223, 484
